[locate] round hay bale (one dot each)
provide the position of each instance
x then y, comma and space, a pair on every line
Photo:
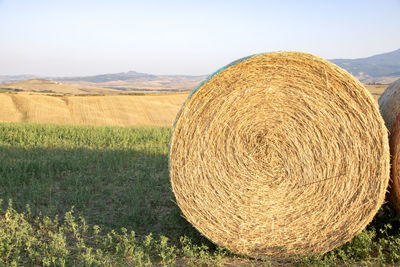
394, 188
279, 154
389, 104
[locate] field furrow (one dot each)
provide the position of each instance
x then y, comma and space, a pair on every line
8, 109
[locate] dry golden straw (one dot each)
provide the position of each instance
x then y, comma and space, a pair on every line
389, 104
279, 154
394, 189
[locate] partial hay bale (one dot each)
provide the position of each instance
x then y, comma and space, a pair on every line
394, 188
389, 103
279, 154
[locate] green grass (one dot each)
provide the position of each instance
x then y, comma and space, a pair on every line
101, 196
114, 177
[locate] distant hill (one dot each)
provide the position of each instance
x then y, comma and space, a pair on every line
122, 76
133, 81
123, 81
11, 78
382, 68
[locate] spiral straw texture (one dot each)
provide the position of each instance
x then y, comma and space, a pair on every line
394, 189
389, 103
279, 154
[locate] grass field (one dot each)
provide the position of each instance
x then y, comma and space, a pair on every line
113, 177
103, 183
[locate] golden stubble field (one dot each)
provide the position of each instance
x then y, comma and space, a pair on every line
110, 110
376, 89
115, 110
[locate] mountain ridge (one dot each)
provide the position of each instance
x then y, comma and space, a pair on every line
381, 68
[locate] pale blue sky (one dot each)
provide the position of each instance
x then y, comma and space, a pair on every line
85, 37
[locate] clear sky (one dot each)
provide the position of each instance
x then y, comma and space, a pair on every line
85, 37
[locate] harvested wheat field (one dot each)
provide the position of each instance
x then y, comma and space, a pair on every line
116, 110
376, 90
8, 109
280, 154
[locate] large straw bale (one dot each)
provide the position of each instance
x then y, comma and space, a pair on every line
389, 103
394, 188
279, 154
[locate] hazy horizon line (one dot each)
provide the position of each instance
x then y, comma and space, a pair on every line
156, 74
